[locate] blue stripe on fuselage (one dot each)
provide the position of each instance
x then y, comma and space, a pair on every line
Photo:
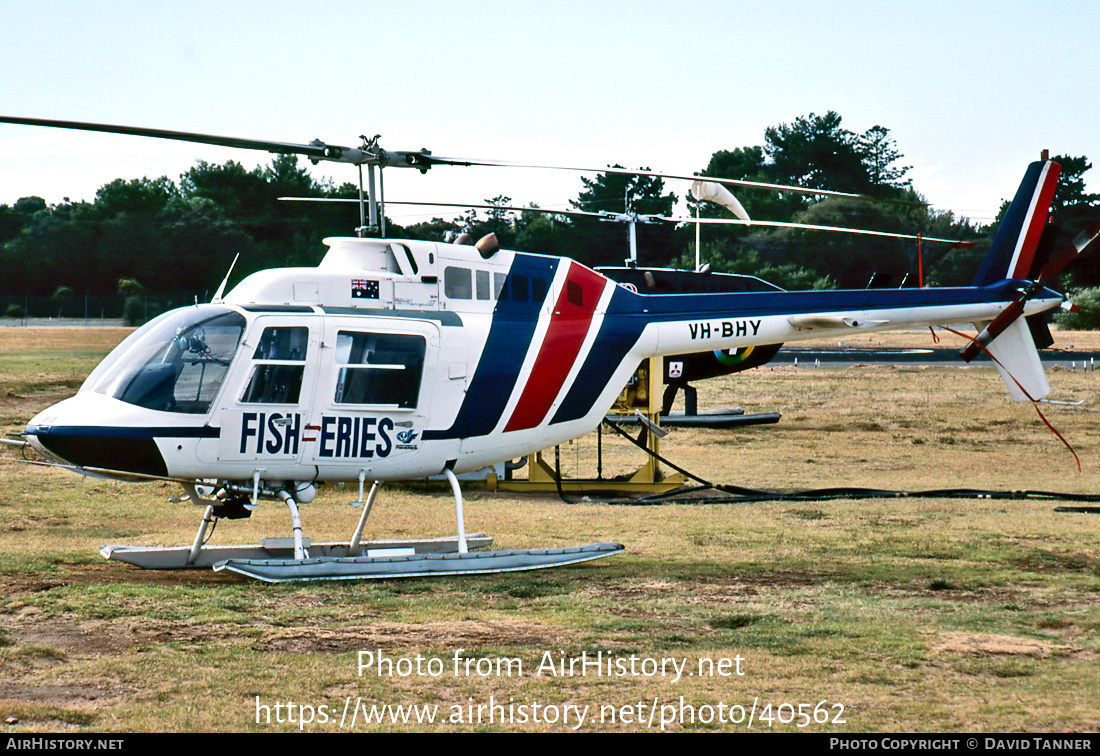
621, 327
123, 431
506, 347
668, 307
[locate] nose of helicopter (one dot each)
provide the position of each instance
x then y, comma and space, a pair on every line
93, 431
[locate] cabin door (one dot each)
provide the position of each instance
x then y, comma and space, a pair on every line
263, 422
373, 396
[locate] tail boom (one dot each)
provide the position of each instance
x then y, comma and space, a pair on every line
749, 320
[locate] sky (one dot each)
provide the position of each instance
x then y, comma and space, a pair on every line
970, 91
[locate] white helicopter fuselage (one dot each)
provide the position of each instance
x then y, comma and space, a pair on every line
394, 360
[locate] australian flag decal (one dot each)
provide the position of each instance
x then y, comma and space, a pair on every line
361, 288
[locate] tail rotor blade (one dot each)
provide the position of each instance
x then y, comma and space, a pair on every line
1070, 251
994, 329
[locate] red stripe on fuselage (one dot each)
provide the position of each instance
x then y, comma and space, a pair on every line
565, 335
1039, 214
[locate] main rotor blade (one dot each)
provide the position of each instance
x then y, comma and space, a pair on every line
812, 227
466, 205
648, 218
474, 206
422, 159
678, 176
317, 151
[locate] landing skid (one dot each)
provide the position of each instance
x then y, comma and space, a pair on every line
421, 565
275, 560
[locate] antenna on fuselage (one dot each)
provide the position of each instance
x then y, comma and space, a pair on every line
221, 288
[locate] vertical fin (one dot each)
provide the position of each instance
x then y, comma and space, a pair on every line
1018, 236
1017, 360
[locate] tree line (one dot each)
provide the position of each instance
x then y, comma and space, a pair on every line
159, 235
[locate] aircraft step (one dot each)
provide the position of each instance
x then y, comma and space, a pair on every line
177, 557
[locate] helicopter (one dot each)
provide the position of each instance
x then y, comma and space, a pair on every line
400, 359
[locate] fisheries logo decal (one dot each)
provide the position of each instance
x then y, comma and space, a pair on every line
355, 437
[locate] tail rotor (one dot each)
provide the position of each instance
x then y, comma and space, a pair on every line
1016, 308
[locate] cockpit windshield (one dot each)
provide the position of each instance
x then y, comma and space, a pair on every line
175, 363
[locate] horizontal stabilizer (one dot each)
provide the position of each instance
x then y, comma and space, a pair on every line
1017, 361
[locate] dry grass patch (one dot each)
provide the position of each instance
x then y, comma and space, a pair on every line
915, 614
